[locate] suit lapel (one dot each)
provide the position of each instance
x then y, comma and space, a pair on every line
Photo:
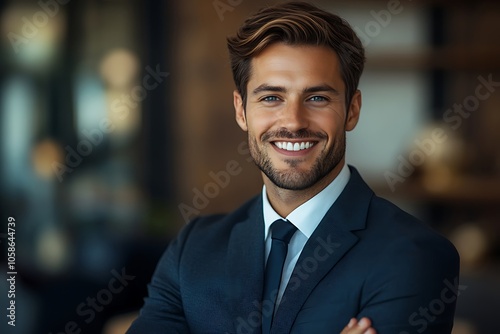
331, 240
245, 269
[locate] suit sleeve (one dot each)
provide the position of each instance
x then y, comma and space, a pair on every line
413, 288
163, 310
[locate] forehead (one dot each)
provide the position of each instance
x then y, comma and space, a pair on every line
296, 66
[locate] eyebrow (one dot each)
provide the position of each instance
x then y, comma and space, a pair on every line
321, 88
280, 89
269, 88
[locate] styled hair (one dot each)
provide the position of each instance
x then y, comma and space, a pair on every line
296, 23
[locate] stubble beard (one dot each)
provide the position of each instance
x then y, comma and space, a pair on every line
292, 178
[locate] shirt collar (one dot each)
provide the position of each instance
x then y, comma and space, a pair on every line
307, 216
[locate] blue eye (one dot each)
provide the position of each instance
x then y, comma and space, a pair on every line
318, 99
271, 98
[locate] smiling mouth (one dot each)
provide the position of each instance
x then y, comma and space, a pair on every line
294, 146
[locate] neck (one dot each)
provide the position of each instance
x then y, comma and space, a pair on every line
284, 201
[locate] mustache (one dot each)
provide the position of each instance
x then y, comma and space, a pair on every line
286, 134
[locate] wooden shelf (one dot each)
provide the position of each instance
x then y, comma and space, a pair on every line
473, 58
458, 191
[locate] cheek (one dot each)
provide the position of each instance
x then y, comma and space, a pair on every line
329, 116
340, 116
259, 123
332, 126
329, 122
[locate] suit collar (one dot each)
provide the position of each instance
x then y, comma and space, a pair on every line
351, 208
245, 259
331, 240
308, 215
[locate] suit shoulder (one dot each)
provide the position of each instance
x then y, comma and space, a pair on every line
402, 230
388, 214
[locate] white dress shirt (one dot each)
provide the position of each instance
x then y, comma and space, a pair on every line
306, 218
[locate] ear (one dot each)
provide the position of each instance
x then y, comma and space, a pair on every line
353, 112
239, 108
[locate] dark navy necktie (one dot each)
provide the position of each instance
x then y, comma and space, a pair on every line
282, 232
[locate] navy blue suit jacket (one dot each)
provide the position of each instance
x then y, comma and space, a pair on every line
366, 258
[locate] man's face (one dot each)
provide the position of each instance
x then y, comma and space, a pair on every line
296, 114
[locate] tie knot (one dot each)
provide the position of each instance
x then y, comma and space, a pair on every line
283, 230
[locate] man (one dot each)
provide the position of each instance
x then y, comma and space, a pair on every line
317, 249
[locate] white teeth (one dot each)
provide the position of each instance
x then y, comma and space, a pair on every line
289, 146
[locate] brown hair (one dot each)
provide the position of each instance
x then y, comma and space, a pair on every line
296, 23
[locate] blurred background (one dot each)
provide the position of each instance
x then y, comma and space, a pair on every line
117, 128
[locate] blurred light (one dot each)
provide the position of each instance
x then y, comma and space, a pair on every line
44, 154
125, 118
438, 179
33, 36
471, 242
88, 197
444, 159
90, 102
17, 125
119, 68
53, 251
109, 108
461, 326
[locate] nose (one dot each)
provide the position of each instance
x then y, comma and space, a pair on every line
294, 116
